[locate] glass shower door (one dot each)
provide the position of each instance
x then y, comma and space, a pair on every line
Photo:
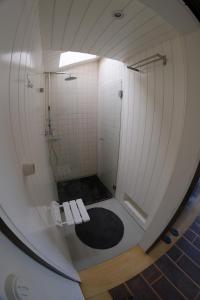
109, 123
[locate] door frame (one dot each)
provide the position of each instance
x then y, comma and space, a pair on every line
181, 206
186, 197
9, 233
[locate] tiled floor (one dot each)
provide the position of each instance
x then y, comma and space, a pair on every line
90, 189
174, 276
99, 279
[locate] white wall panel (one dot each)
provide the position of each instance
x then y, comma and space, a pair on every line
78, 10
131, 27
41, 282
89, 26
130, 11
47, 21
146, 26
62, 9
94, 12
23, 199
188, 155
152, 119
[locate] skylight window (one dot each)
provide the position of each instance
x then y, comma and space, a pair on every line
69, 58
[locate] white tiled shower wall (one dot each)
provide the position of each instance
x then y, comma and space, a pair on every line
74, 120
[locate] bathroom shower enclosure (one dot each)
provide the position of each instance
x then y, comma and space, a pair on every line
83, 116
160, 112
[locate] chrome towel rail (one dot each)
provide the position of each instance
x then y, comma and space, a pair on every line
147, 61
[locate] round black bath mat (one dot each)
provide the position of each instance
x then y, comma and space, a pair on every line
104, 230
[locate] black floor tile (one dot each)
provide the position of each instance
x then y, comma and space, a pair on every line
166, 290
190, 235
198, 297
119, 293
174, 253
177, 277
181, 269
198, 219
151, 273
90, 189
140, 289
189, 268
197, 242
196, 227
191, 251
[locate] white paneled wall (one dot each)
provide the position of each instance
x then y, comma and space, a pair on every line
189, 150
74, 120
152, 119
109, 120
23, 199
89, 26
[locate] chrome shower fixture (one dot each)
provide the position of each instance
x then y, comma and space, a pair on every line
29, 82
68, 78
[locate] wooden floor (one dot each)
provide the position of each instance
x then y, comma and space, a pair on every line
96, 281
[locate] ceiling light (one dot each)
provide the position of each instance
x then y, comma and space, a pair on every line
69, 58
118, 14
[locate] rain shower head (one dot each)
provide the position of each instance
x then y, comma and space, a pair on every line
70, 77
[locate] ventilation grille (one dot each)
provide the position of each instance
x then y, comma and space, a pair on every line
194, 6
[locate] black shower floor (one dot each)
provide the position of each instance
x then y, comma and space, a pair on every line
90, 189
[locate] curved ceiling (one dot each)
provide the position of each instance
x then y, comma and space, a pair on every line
88, 26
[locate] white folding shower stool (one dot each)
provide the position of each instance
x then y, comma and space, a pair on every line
75, 212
